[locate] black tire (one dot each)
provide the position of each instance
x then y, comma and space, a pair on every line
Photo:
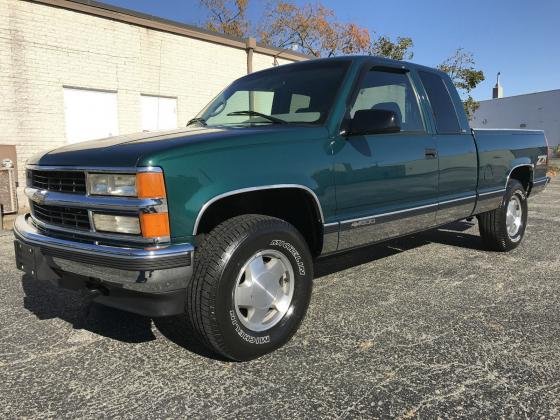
492, 225
210, 306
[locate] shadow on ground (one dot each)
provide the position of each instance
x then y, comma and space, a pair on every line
47, 301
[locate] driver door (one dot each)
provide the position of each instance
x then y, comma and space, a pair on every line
387, 183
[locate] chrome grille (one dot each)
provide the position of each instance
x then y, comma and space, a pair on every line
67, 217
60, 181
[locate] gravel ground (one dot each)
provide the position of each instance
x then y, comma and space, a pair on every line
429, 325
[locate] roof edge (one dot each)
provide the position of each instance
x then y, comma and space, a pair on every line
520, 94
132, 17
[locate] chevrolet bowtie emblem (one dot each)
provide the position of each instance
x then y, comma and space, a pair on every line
39, 196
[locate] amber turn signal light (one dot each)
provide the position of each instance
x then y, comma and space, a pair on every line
154, 225
150, 185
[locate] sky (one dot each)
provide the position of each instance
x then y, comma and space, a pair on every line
520, 39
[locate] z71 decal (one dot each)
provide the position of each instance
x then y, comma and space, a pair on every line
542, 160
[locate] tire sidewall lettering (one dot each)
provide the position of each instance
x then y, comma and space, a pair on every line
292, 250
251, 339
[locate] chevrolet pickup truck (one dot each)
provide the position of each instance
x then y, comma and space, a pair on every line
220, 222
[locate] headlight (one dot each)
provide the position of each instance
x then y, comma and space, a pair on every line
116, 223
123, 185
144, 185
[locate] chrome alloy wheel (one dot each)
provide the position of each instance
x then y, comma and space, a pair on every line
514, 216
264, 290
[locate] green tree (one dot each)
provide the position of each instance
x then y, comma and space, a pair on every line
400, 49
461, 68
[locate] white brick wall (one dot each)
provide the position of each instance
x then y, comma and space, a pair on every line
262, 61
44, 48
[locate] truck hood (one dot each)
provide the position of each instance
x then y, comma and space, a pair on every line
132, 149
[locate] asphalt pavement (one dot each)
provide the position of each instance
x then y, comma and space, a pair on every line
424, 326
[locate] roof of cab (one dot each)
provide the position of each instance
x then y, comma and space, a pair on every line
363, 59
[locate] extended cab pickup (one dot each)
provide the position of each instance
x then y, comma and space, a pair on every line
221, 221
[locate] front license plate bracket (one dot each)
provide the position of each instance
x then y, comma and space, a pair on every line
27, 258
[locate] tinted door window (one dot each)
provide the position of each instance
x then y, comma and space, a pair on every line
391, 92
442, 106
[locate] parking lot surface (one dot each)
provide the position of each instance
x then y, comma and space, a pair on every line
421, 326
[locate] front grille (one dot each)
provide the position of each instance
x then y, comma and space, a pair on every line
60, 181
67, 217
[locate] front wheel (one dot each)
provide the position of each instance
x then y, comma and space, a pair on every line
503, 229
251, 286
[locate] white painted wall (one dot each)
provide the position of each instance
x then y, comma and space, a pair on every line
538, 111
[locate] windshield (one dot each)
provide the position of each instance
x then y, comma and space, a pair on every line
300, 94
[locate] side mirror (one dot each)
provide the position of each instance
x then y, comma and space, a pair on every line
374, 121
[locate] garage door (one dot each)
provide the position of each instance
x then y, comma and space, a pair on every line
158, 113
90, 114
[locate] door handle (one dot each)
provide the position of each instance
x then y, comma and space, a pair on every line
430, 153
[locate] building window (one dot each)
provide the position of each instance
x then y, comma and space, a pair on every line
158, 113
90, 114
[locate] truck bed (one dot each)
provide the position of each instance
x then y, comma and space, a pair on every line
500, 151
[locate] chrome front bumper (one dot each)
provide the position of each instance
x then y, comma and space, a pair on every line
114, 270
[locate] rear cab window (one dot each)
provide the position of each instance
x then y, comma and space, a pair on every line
441, 103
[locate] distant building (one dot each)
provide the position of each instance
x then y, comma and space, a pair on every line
537, 111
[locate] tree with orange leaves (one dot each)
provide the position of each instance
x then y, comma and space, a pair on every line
227, 16
310, 29
313, 29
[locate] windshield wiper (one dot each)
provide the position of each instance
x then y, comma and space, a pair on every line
258, 114
197, 120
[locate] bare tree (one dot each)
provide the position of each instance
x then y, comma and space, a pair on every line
227, 16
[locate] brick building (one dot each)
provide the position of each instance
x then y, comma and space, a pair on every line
75, 70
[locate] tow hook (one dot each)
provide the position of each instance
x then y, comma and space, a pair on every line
94, 290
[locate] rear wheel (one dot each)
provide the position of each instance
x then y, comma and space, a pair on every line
503, 229
251, 286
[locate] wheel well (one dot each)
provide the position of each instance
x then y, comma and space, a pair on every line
296, 206
523, 174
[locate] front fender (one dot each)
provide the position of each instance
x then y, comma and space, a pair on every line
197, 176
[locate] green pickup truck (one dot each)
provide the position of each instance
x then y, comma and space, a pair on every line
220, 222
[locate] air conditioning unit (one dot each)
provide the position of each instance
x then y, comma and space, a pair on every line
8, 193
